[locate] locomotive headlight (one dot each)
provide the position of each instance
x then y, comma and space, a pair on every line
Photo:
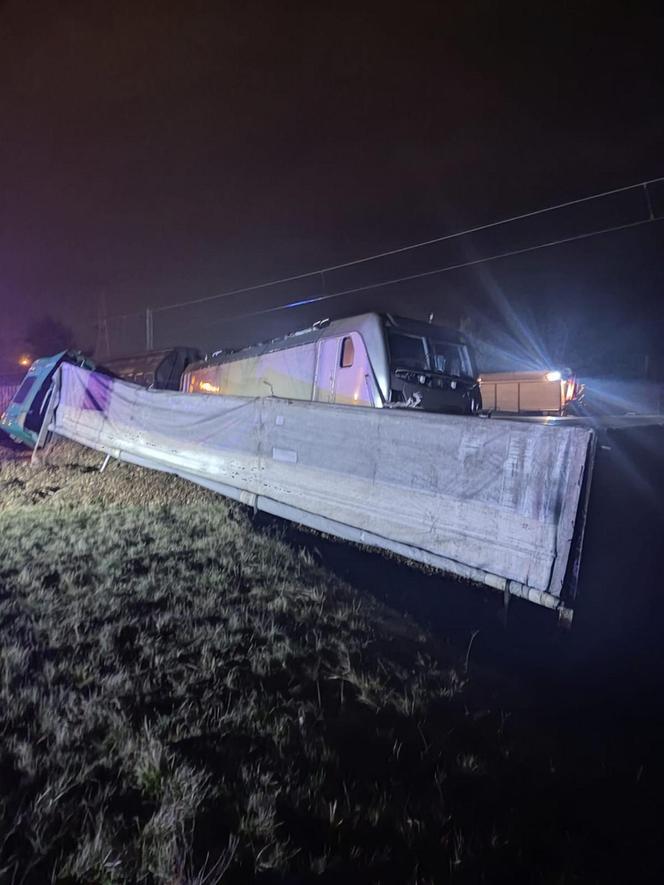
553, 376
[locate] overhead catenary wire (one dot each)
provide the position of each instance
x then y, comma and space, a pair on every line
320, 272
439, 270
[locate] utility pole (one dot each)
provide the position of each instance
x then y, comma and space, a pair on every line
102, 344
149, 329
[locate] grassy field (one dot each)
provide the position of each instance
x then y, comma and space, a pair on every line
184, 698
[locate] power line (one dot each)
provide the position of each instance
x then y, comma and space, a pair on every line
389, 282
401, 249
643, 185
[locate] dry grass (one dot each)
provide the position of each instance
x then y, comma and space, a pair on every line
185, 699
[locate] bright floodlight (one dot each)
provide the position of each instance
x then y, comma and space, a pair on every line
553, 376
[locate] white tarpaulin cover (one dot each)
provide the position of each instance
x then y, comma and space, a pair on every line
492, 500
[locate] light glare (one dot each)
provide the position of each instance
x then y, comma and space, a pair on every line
207, 387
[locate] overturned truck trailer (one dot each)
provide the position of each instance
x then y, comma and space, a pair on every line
499, 503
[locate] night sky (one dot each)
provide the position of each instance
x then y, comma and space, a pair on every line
157, 152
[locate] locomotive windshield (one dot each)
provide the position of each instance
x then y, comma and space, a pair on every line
408, 351
429, 355
449, 358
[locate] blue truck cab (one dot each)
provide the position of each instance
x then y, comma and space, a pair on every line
23, 417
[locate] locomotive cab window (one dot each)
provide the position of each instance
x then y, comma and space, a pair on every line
408, 351
347, 353
450, 359
24, 389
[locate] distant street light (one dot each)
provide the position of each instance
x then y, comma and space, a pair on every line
24, 360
